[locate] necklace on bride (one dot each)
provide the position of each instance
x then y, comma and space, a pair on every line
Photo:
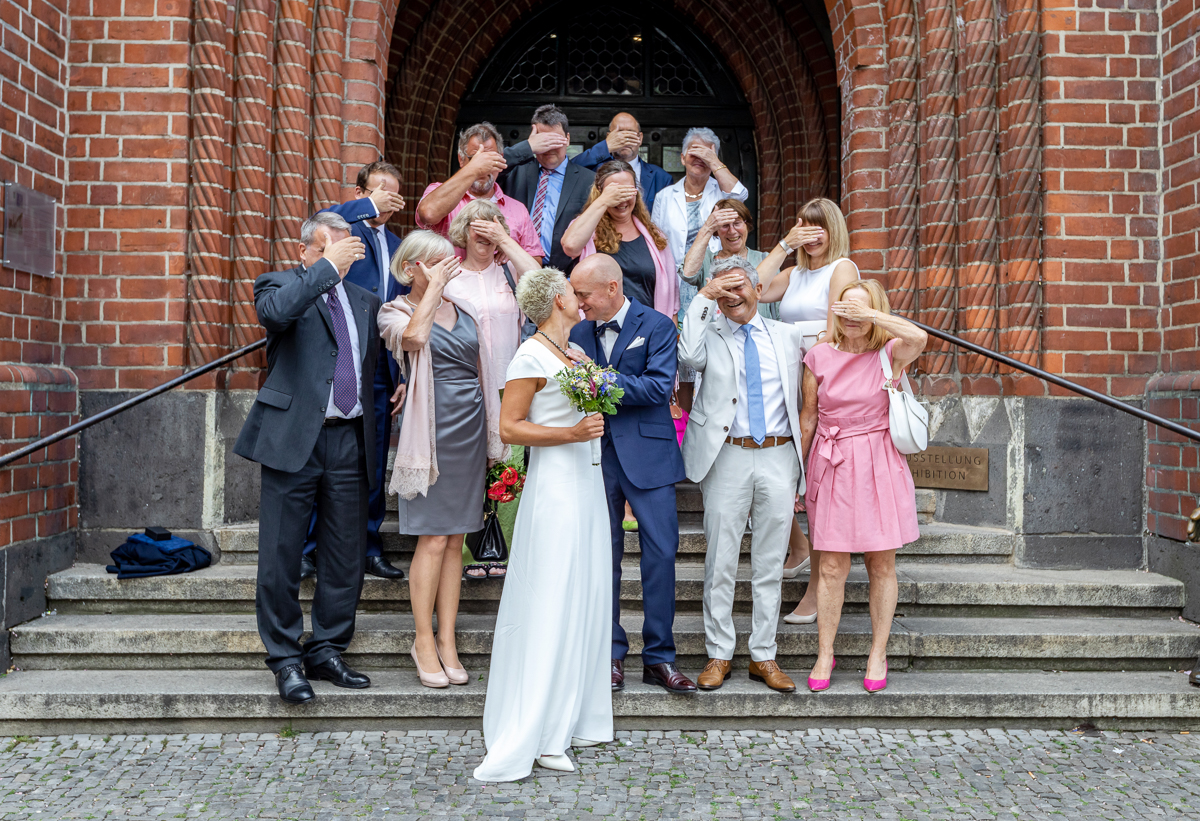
555, 344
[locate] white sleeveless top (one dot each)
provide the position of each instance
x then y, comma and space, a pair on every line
807, 295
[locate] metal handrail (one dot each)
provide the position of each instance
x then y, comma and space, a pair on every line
84, 424
1125, 407
1104, 399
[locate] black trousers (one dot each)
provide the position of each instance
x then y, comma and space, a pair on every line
335, 478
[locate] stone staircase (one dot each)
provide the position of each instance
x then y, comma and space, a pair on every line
976, 642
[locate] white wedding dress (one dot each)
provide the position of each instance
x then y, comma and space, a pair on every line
550, 679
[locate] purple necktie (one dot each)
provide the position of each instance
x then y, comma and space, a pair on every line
345, 387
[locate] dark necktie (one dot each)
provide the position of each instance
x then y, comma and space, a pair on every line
345, 389
611, 325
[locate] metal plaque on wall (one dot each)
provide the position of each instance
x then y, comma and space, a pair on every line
28, 230
950, 468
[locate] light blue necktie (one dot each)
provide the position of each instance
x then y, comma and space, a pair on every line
758, 417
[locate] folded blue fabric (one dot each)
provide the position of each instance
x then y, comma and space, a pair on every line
141, 556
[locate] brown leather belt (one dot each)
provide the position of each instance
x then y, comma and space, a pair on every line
747, 442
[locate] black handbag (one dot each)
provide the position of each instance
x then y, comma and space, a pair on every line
487, 544
528, 329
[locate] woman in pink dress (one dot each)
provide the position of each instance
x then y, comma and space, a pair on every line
860, 494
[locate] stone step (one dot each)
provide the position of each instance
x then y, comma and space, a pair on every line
154, 701
382, 642
924, 589
939, 542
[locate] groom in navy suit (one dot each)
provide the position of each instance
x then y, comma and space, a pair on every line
640, 456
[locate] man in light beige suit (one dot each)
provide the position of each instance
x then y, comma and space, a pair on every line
743, 447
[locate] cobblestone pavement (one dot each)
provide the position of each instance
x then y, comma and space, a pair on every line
815, 774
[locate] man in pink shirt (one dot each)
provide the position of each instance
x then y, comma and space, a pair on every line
480, 161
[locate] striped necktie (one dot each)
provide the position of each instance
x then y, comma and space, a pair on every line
539, 202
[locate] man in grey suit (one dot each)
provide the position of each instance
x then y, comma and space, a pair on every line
742, 446
307, 429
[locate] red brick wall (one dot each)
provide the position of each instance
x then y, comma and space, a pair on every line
1173, 469
37, 499
38, 494
127, 189
1102, 164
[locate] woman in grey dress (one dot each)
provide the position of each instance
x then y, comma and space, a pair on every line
442, 459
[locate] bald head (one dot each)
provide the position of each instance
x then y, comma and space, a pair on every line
624, 136
598, 284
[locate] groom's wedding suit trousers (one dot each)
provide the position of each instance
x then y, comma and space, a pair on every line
641, 462
311, 455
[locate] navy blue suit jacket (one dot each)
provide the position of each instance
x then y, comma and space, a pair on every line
642, 430
654, 179
365, 272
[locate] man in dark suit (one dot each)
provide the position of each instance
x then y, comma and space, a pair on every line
640, 457
377, 199
309, 429
623, 141
553, 190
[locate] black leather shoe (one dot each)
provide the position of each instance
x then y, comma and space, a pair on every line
293, 686
337, 673
667, 676
1194, 678
308, 568
618, 674
381, 567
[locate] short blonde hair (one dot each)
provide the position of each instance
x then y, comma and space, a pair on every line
460, 227
537, 291
826, 214
877, 297
419, 246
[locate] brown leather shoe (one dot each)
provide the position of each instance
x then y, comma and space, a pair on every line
714, 674
768, 672
618, 674
667, 676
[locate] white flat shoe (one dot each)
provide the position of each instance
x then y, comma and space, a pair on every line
793, 572
792, 618
556, 762
583, 742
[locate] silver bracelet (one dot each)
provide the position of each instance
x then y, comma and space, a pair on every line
787, 249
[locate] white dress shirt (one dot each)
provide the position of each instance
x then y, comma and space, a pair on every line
610, 336
332, 409
774, 409
636, 165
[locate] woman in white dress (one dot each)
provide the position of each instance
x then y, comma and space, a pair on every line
821, 243
549, 686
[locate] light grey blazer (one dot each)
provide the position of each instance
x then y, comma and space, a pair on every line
709, 347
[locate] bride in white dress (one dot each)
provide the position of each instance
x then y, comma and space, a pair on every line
549, 686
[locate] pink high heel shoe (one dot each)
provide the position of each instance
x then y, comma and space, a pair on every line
436, 680
457, 675
874, 685
816, 685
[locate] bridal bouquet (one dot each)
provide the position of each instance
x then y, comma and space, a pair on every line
591, 389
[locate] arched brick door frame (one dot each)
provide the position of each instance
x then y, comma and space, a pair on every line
785, 74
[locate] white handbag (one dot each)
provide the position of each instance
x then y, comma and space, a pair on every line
907, 418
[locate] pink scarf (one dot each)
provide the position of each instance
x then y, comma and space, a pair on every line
666, 282
416, 454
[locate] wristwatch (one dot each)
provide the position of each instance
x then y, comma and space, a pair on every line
787, 249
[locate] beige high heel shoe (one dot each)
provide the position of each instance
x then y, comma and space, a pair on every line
457, 675
436, 680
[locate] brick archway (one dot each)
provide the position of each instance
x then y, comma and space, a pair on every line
779, 60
